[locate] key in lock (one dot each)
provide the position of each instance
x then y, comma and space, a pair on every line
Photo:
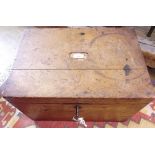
79, 119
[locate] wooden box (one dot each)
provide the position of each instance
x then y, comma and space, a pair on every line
100, 70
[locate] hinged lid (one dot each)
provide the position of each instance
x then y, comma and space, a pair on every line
79, 63
101, 48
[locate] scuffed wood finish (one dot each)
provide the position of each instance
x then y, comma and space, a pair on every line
107, 48
112, 83
78, 84
90, 109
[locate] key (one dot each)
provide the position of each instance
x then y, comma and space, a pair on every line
82, 121
79, 119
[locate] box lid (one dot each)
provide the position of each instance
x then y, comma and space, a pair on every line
79, 63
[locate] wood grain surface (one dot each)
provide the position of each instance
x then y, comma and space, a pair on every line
90, 109
110, 83
107, 48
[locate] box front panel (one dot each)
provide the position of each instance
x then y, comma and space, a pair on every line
106, 110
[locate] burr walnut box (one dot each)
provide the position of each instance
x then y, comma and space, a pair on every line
98, 73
